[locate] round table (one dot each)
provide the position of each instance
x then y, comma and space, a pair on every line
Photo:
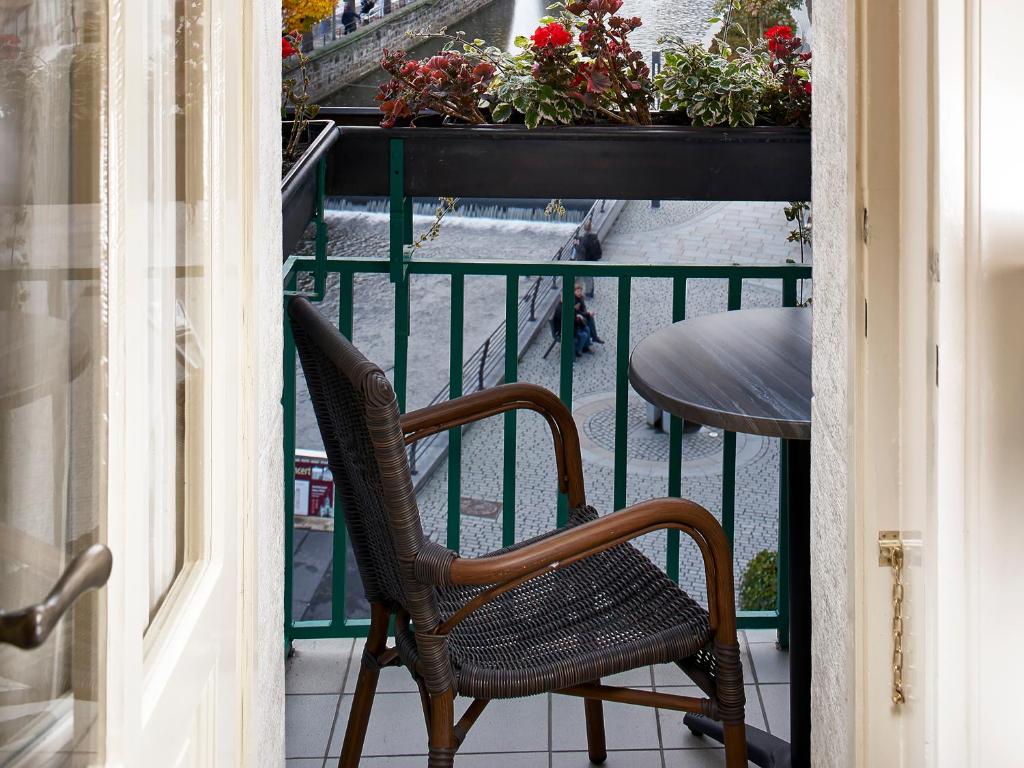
750, 371
744, 371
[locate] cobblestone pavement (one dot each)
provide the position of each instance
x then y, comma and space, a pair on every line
679, 232
731, 233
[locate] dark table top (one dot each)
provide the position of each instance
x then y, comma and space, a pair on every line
744, 371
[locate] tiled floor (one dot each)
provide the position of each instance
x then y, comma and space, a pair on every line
538, 732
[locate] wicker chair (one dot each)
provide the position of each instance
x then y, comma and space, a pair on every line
553, 614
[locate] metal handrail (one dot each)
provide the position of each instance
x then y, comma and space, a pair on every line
476, 364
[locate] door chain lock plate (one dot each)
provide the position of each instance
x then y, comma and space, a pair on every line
890, 553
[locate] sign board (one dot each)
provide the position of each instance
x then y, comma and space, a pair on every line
314, 485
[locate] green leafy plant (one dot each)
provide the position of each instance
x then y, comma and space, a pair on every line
580, 68
712, 88
536, 82
768, 83
295, 94
799, 212
445, 205
759, 586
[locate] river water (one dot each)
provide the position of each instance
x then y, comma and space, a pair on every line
500, 22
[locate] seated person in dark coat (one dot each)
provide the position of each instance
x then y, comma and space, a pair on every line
587, 315
584, 327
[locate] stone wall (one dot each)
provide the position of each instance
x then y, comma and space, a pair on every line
340, 63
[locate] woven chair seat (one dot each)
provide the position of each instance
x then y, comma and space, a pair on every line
605, 614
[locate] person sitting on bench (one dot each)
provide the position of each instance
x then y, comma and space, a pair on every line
587, 315
583, 322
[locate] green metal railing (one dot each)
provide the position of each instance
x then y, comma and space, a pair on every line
400, 268
342, 626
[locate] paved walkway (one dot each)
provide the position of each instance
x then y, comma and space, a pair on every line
733, 233
680, 232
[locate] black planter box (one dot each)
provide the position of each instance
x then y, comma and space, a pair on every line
615, 162
298, 186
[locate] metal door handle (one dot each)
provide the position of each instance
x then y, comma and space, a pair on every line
29, 627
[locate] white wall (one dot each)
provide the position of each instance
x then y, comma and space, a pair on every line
834, 142
262, 519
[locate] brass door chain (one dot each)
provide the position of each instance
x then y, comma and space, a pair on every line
897, 626
890, 552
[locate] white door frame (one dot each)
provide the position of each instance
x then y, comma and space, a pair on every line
248, 343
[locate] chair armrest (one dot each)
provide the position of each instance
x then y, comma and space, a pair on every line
567, 546
508, 397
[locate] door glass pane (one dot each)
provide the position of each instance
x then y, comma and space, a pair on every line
52, 363
178, 294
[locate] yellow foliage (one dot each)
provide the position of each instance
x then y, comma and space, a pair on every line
300, 14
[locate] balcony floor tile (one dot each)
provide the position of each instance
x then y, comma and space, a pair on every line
307, 723
535, 732
650, 758
318, 666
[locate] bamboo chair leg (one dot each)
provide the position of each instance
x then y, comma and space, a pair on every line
442, 730
735, 738
594, 709
366, 687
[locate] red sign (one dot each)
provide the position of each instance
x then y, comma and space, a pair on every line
314, 485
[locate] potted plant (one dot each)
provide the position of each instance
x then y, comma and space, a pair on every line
574, 113
305, 143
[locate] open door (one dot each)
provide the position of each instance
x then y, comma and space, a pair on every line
124, 338
175, 314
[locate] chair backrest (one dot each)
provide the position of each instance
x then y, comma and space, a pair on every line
357, 412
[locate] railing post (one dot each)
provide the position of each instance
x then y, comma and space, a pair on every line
455, 363
288, 403
782, 562
508, 494
621, 390
729, 442
320, 269
675, 442
533, 300
397, 216
400, 234
566, 361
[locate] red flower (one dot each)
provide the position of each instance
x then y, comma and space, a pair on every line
807, 88
287, 49
551, 34
785, 33
777, 38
